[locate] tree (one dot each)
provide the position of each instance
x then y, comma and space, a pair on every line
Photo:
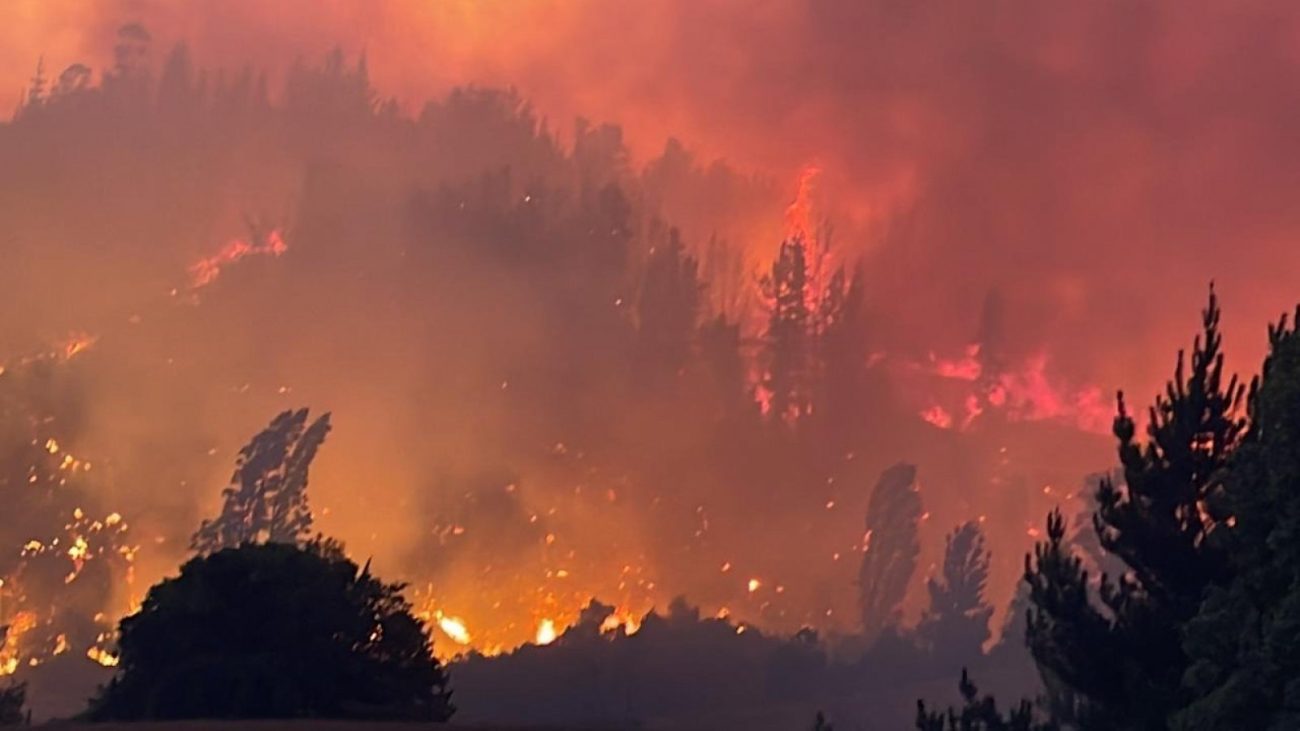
669, 306
13, 700
980, 714
1244, 643
957, 622
890, 548
266, 500
789, 379
1118, 661
274, 631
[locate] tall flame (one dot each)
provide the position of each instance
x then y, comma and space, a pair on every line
798, 215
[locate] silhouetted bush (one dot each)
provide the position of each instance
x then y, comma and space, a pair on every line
275, 631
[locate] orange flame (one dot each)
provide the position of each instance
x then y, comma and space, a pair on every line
1023, 393
206, 270
798, 215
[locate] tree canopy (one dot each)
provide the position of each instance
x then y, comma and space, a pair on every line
275, 631
267, 497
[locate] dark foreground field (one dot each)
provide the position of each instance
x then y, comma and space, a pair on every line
288, 726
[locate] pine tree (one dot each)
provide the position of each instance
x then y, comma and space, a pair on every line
789, 378
266, 501
1118, 661
669, 306
1244, 643
957, 622
890, 548
980, 714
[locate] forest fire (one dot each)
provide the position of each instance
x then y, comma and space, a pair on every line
1023, 393
611, 406
205, 271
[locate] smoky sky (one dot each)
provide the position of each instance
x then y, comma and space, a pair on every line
1076, 156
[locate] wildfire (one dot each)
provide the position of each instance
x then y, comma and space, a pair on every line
455, 628
938, 416
545, 632
628, 623
19, 625
798, 215
205, 271
1023, 393
75, 344
102, 656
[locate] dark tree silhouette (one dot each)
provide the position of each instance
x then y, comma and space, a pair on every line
1244, 643
957, 622
13, 701
891, 548
1120, 665
789, 379
275, 631
266, 501
669, 307
979, 714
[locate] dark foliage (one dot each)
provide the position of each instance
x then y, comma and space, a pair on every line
979, 714
1244, 643
267, 497
1117, 662
275, 631
958, 618
891, 550
13, 701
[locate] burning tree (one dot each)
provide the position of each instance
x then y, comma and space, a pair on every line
806, 311
957, 622
890, 548
266, 501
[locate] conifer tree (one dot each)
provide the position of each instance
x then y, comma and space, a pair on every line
980, 713
266, 501
890, 548
669, 306
957, 622
1244, 643
789, 378
1117, 661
